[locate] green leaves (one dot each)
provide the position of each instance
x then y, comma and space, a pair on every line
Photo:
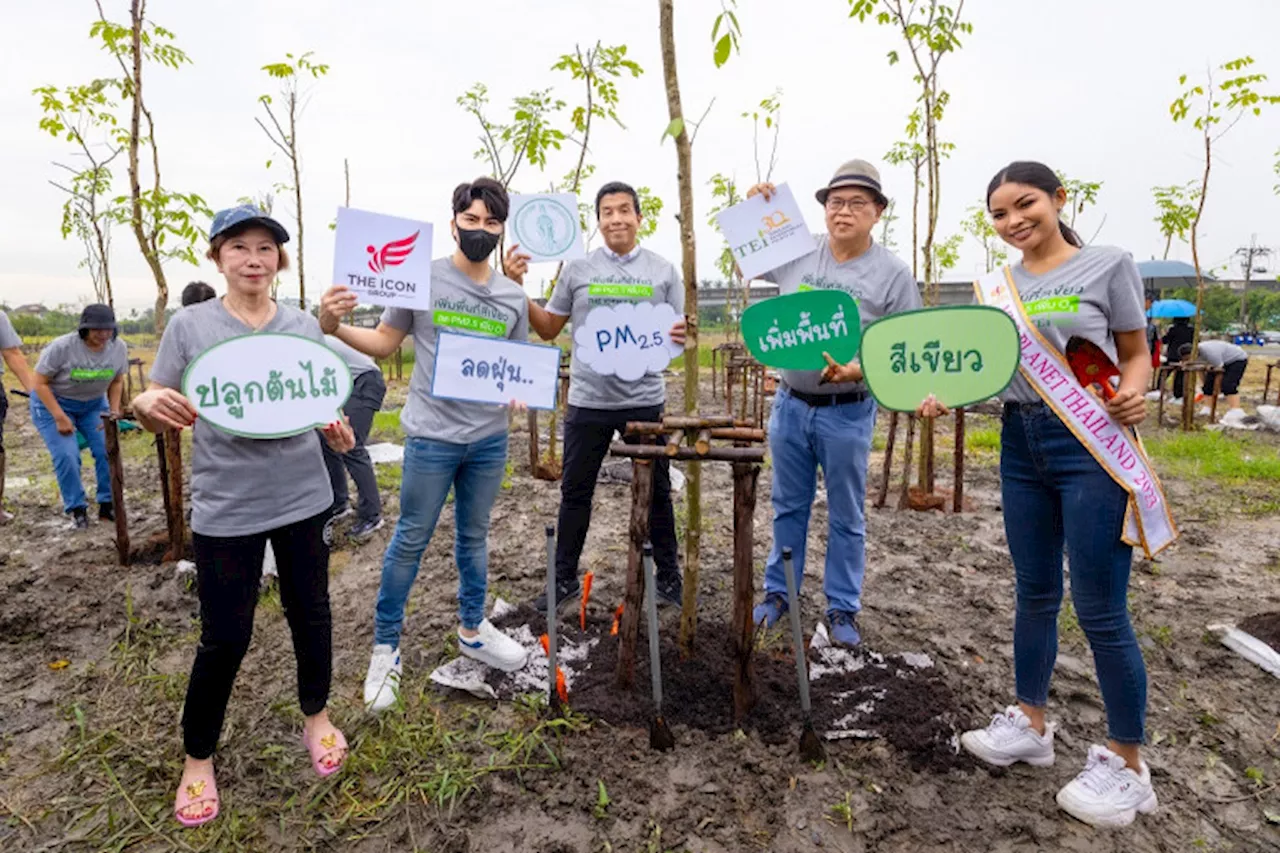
674, 129
726, 44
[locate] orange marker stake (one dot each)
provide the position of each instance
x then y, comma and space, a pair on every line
586, 596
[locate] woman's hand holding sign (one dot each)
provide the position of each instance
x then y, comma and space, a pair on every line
164, 407
339, 436
765, 188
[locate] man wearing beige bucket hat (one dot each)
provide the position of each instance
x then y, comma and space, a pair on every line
826, 417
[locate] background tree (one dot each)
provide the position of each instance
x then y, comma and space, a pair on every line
931, 30
1080, 194
887, 220
977, 224
292, 73
1176, 207
163, 221
1218, 107
74, 114
529, 136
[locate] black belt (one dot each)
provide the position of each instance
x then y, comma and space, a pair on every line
819, 400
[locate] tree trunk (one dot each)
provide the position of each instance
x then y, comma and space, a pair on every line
915, 224
137, 12
684, 175
1168, 243
297, 197
742, 641
1195, 250
629, 627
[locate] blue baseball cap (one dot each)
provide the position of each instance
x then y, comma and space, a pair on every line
225, 220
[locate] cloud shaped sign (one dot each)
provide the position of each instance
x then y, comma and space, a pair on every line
627, 340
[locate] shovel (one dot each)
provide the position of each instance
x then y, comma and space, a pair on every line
660, 737
553, 695
1091, 365
810, 747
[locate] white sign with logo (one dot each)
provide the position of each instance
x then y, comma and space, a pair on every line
484, 369
385, 260
627, 340
764, 235
547, 226
268, 385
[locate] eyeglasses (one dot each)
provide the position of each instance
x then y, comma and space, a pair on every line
855, 205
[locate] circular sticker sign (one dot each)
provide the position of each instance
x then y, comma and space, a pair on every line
545, 227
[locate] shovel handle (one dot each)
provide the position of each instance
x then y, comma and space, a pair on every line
552, 694
797, 636
651, 616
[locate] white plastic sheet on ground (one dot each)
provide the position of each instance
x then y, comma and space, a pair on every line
385, 453
1248, 647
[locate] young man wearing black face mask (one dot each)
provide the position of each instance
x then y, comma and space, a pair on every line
448, 444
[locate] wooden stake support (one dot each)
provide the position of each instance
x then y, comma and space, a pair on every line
172, 453
957, 503
888, 461
745, 477
693, 439
629, 628
1266, 389
111, 431
551, 468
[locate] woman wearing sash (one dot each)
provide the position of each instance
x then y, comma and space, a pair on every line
1058, 452
246, 492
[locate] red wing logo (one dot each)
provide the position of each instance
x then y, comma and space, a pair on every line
393, 254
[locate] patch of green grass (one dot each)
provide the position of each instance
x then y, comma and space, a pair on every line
982, 440
1232, 460
388, 476
386, 427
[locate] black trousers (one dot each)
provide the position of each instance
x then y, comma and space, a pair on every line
229, 570
587, 436
366, 399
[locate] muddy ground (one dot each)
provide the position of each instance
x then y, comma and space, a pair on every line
94, 659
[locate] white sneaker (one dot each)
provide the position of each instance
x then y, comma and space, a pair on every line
1009, 739
491, 646
1108, 793
382, 684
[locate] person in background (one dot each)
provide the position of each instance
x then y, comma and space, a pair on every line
1057, 496
1153, 335
246, 492
79, 378
825, 418
195, 293
367, 393
1177, 346
450, 445
10, 354
620, 272
1234, 361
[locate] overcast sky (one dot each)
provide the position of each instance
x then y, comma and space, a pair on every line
1083, 85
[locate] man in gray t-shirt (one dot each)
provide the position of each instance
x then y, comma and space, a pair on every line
825, 417
1233, 360
450, 445
618, 273
11, 353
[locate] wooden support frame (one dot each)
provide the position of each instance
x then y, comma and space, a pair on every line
745, 479
111, 431
172, 476
629, 628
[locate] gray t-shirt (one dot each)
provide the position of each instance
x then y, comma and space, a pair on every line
878, 280
76, 372
242, 486
499, 309
357, 362
1093, 294
1221, 353
8, 337
603, 278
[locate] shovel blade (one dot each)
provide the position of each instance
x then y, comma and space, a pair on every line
811, 748
660, 737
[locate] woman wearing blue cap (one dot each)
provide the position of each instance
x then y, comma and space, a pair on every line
78, 378
244, 493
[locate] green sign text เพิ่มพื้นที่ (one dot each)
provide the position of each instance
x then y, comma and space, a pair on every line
961, 355
792, 332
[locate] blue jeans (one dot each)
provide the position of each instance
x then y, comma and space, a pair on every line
802, 437
474, 472
87, 417
1055, 492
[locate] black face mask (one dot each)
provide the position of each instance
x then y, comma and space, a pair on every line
477, 243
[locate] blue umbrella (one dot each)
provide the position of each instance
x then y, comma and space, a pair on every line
1166, 308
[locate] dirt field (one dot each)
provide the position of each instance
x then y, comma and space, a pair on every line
94, 661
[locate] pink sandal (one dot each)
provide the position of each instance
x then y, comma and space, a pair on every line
323, 747
201, 789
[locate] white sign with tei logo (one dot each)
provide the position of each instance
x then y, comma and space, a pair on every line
764, 235
385, 260
547, 226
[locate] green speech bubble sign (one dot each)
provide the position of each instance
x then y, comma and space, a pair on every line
792, 332
961, 355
